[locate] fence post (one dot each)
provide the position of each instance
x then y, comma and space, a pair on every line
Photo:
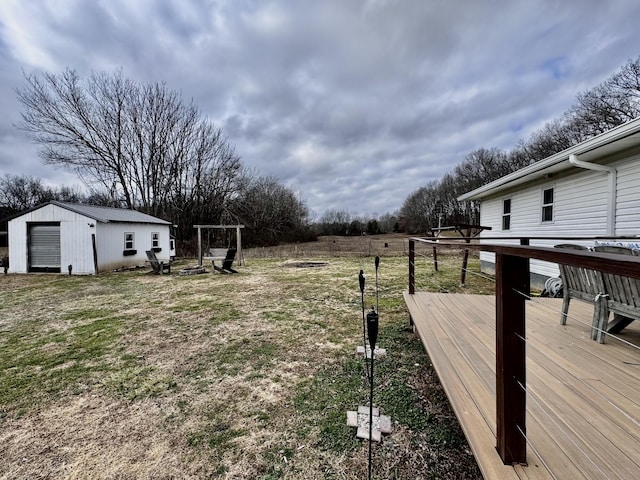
512, 273
435, 258
465, 260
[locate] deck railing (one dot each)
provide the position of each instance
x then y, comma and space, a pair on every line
512, 288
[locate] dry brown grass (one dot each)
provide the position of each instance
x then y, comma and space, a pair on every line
337, 246
244, 376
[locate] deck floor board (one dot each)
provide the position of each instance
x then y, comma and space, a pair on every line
583, 405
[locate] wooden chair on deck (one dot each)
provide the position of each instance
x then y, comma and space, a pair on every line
623, 297
583, 284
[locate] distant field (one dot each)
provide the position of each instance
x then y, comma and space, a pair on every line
247, 376
337, 246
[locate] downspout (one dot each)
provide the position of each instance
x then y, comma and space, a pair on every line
612, 190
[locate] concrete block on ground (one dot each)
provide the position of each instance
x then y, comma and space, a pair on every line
360, 419
380, 352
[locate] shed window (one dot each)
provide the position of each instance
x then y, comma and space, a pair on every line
506, 214
547, 205
129, 243
155, 239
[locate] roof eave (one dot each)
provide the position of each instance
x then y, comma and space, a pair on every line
556, 162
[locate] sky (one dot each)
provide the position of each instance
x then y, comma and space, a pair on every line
351, 104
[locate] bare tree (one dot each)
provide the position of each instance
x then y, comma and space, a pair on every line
271, 211
140, 144
612, 103
333, 222
422, 208
20, 192
479, 167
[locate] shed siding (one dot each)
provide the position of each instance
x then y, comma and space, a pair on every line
110, 242
17, 246
75, 240
76, 248
74, 229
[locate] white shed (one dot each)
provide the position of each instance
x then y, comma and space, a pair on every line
57, 236
591, 189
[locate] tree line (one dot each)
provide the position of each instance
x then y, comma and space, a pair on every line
609, 104
142, 146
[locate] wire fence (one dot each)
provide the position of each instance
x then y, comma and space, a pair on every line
424, 280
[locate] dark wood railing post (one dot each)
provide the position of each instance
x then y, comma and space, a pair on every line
412, 267
412, 273
512, 273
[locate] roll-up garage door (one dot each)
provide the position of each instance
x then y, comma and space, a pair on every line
44, 247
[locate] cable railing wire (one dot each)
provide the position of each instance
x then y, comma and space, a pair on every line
618, 409
451, 264
534, 299
563, 431
576, 319
537, 400
583, 382
531, 395
530, 444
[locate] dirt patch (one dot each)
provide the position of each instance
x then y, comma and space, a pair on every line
305, 264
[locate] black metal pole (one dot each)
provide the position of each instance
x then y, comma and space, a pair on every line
372, 329
371, 417
377, 263
361, 279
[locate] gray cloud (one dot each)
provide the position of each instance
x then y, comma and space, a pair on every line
354, 104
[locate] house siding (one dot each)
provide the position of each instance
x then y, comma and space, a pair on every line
579, 209
628, 204
582, 196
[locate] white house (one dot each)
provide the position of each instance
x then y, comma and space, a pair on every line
57, 236
591, 189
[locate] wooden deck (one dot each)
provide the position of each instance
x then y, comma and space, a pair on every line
583, 401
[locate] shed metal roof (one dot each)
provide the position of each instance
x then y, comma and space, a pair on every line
104, 214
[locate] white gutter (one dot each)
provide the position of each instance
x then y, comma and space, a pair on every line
612, 190
624, 136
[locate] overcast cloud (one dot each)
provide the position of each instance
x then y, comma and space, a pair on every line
353, 104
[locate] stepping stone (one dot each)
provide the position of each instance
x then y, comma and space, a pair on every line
380, 352
360, 420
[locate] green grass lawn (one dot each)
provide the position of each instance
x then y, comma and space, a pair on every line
247, 376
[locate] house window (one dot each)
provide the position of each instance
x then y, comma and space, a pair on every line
155, 239
547, 205
128, 241
506, 214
